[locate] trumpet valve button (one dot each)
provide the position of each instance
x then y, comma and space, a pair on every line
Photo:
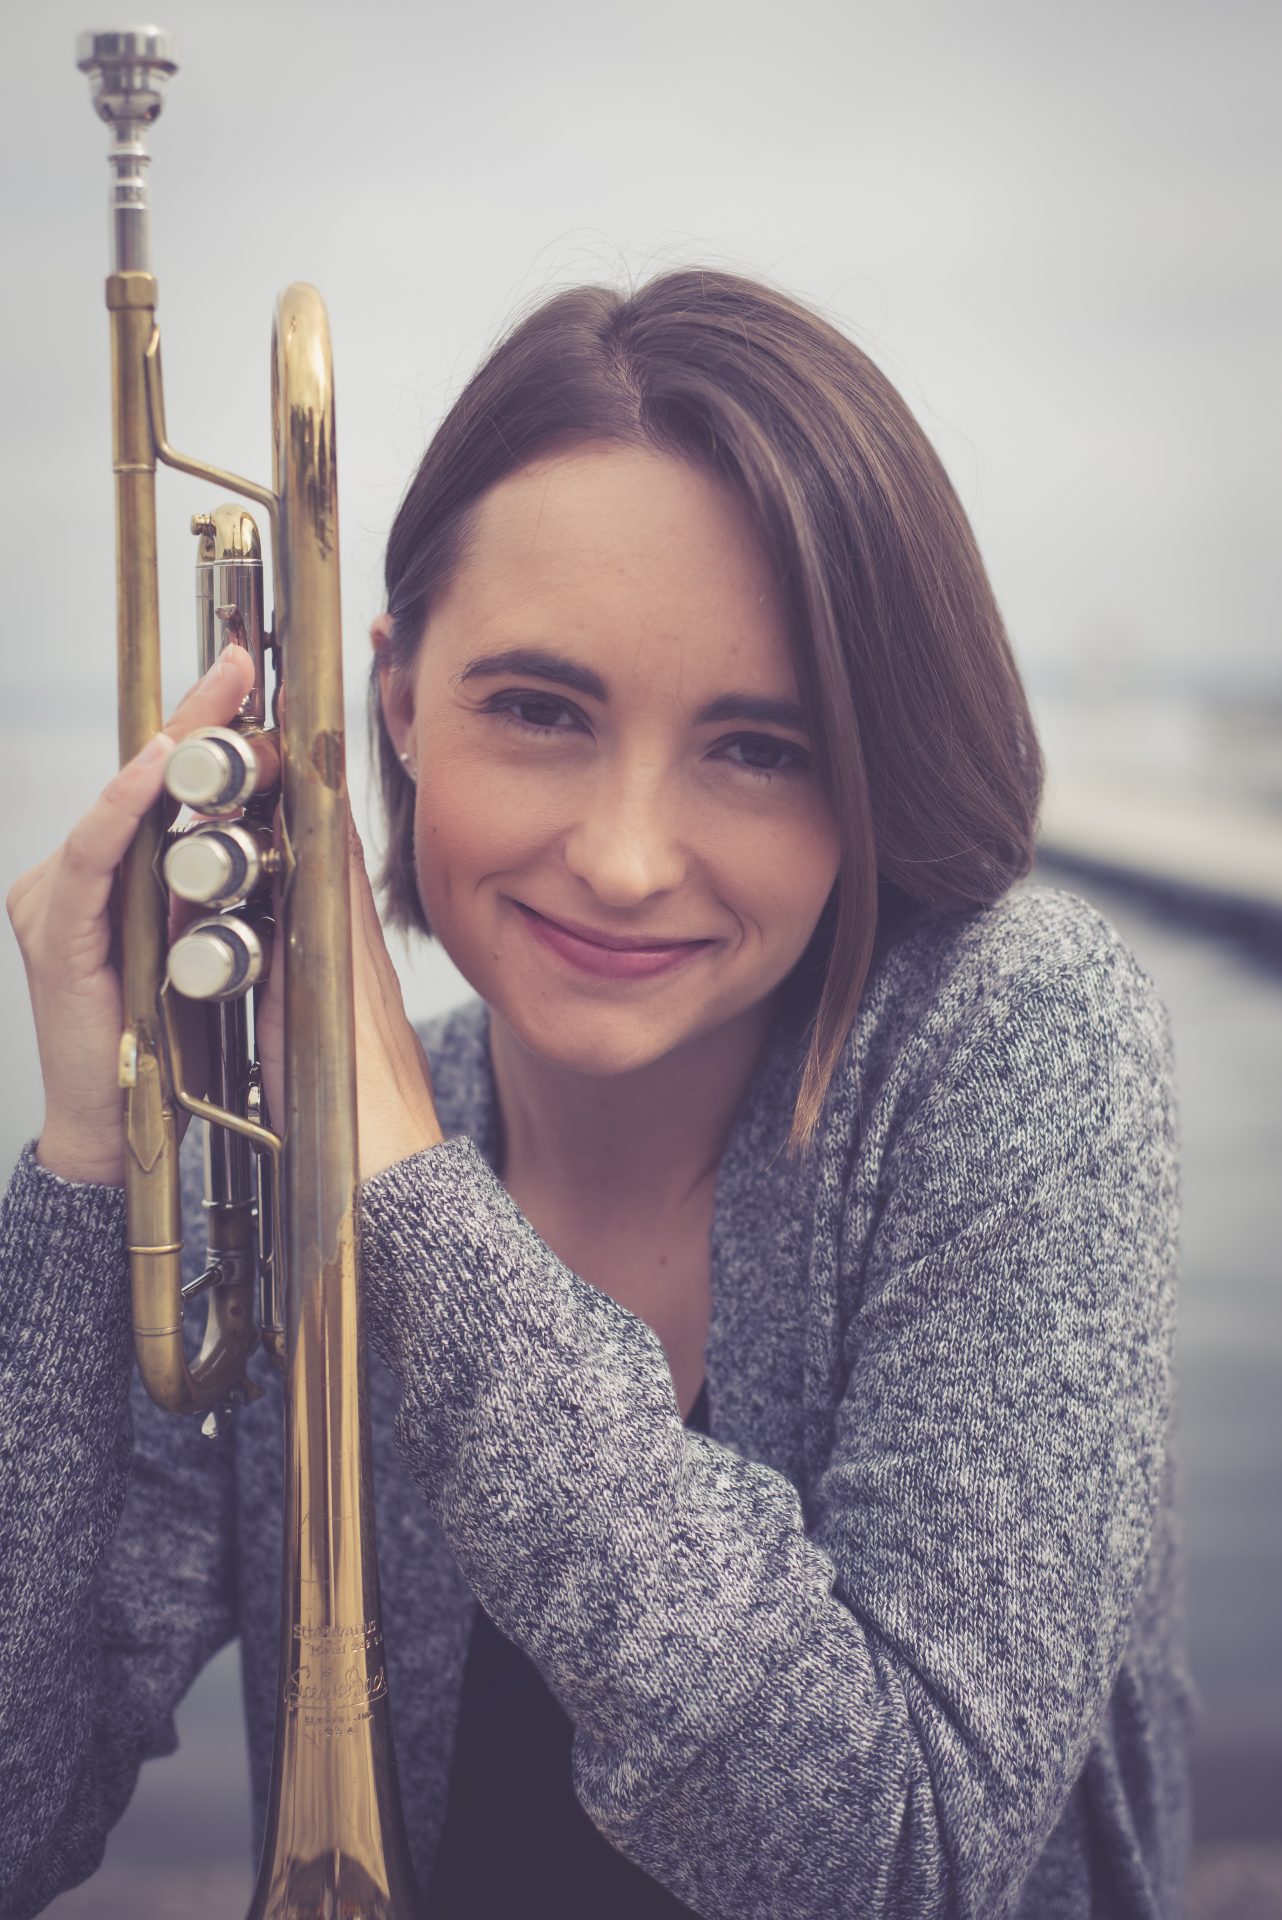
203, 867
211, 770
202, 966
216, 960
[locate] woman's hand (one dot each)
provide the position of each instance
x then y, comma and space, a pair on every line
395, 1113
61, 914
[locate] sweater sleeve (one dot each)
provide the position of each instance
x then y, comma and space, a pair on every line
115, 1520
883, 1715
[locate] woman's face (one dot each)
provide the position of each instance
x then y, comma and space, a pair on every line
594, 784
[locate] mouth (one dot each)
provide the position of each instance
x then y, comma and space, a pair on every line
611, 942
589, 954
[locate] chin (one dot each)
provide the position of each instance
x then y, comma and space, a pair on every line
600, 1049
606, 1041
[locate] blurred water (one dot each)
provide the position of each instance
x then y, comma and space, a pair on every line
1225, 1000
1207, 744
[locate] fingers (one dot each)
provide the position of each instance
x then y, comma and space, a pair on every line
96, 844
215, 699
79, 876
62, 916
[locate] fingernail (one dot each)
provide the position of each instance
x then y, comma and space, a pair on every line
156, 748
221, 662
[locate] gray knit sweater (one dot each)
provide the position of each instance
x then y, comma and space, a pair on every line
904, 1637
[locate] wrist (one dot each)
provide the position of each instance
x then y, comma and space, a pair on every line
384, 1147
78, 1160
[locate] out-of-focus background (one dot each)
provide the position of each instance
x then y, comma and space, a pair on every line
1052, 227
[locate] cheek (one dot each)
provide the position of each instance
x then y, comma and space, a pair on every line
467, 825
785, 871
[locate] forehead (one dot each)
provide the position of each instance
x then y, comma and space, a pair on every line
606, 546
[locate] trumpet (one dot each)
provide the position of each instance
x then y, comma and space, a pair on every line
280, 1189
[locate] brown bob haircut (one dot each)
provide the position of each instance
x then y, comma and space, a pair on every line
922, 732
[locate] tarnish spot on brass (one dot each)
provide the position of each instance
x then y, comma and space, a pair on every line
327, 758
312, 440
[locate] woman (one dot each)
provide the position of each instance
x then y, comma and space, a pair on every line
773, 1319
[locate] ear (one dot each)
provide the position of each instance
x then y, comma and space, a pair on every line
396, 690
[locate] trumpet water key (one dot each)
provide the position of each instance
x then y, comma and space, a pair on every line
281, 1188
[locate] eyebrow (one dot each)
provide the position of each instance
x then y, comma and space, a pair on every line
542, 665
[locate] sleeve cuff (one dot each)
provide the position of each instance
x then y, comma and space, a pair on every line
63, 1271
465, 1303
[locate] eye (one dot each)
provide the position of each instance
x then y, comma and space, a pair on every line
508, 707
796, 760
784, 760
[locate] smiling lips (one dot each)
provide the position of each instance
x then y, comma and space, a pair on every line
612, 956
617, 942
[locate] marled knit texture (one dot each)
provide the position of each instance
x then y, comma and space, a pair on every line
904, 1637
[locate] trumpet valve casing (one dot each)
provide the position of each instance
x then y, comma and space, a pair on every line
229, 597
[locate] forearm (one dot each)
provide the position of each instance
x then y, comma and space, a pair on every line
65, 1358
65, 1435
101, 1498
663, 1584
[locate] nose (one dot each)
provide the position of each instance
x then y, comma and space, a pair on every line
627, 842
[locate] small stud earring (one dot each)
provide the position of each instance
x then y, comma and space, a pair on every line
405, 762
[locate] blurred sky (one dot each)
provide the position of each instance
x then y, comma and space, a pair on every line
1053, 226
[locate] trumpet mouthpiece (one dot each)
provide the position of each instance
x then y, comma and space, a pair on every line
128, 67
